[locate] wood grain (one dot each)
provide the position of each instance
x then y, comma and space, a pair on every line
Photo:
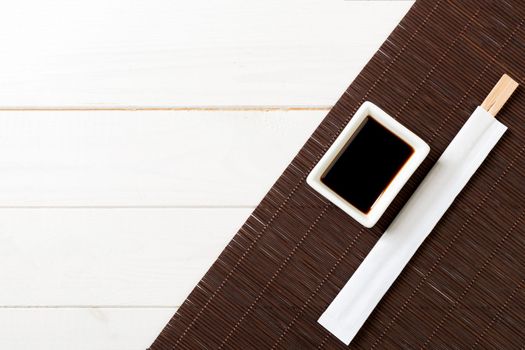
499, 94
186, 53
146, 158
109, 257
81, 328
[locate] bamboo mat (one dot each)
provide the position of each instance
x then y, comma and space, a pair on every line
466, 285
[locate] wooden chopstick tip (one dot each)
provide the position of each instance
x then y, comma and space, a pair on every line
499, 94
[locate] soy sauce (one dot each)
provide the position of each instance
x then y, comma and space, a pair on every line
366, 166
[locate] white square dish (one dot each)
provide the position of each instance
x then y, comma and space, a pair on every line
419, 151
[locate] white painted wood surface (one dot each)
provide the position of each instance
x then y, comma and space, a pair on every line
109, 257
81, 328
146, 158
187, 53
108, 217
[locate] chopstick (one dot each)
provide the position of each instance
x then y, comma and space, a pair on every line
499, 94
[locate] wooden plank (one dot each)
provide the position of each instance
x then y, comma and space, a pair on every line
81, 329
109, 257
146, 158
178, 53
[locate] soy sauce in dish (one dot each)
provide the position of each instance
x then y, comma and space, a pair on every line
366, 166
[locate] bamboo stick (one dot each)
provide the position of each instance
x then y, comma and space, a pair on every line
499, 94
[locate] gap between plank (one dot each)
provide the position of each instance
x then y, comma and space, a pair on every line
127, 206
174, 108
3, 307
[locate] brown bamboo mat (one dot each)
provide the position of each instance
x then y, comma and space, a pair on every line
466, 285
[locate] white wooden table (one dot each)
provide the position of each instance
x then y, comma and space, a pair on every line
137, 136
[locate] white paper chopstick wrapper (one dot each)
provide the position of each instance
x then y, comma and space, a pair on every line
358, 298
